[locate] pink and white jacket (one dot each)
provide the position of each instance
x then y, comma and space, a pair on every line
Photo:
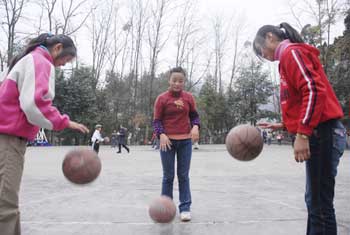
26, 95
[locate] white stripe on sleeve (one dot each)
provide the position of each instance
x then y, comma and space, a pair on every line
308, 80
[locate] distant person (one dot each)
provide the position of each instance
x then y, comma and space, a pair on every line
96, 138
311, 111
122, 139
114, 139
26, 94
264, 135
176, 122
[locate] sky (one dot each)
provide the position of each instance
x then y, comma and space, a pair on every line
253, 13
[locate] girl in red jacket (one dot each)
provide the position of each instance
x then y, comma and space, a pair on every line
311, 111
176, 123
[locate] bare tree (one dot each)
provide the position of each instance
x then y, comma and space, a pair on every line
220, 39
237, 31
13, 12
70, 12
101, 30
155, 40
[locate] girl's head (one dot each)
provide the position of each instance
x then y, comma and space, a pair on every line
177, 77
269, 36
61, 48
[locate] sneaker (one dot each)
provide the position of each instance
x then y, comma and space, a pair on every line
185, 216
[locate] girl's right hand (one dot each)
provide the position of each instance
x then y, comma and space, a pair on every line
268, 125
78, 127
165, 142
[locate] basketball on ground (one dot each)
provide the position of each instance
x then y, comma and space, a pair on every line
162, 210
244, 142
81, 166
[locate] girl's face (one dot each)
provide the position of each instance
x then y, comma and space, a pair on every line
57, 59
267, 50
177, 81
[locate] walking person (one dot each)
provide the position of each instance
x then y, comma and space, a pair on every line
311, 111
176, 122
122, 139
26, 95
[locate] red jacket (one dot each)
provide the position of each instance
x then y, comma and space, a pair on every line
307, 97
176, 112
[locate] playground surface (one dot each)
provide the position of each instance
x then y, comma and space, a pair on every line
261, 197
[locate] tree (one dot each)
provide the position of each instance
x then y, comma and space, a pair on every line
75, 96
254, 89
13, 13
339, 73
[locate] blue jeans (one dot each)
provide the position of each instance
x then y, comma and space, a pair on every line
327, 145
183, 151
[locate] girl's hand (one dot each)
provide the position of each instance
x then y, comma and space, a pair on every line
165, 142
195, 133
301, 149
268, 125
78, 127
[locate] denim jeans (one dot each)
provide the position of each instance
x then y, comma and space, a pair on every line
327, 145
183, 151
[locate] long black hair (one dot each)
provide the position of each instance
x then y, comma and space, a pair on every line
47, 40
282, 31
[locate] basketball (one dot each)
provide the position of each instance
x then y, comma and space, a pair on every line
81, 166
106, 139
244, 142
162, 210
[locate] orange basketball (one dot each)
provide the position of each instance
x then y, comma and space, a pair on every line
244, 142
81, 166
162, 210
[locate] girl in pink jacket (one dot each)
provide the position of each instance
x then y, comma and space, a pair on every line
26, 94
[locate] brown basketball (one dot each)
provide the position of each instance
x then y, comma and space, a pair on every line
81, 166
162, 210
244, 142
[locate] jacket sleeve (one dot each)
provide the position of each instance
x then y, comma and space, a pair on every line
311, 87
36, 91
158, 116
194, 116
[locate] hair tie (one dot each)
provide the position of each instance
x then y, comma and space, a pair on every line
49, 35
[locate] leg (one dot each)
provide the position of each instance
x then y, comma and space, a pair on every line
184, 154
127, 149
168, 164
120, 148
321, 173
96, 147
11, 169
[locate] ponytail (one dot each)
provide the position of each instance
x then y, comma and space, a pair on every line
47, 40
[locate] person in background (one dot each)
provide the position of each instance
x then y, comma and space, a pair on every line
114, 140
96, 138
122, 139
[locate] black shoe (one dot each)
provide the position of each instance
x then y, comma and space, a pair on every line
119, 152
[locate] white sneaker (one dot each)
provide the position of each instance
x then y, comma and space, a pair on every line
185, 216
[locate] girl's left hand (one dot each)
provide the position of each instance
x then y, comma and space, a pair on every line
195, 133
301, 149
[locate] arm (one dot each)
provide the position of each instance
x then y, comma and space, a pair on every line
36, 91
165, 142
302, 74
195, 121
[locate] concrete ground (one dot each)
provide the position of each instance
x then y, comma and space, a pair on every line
261, 197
